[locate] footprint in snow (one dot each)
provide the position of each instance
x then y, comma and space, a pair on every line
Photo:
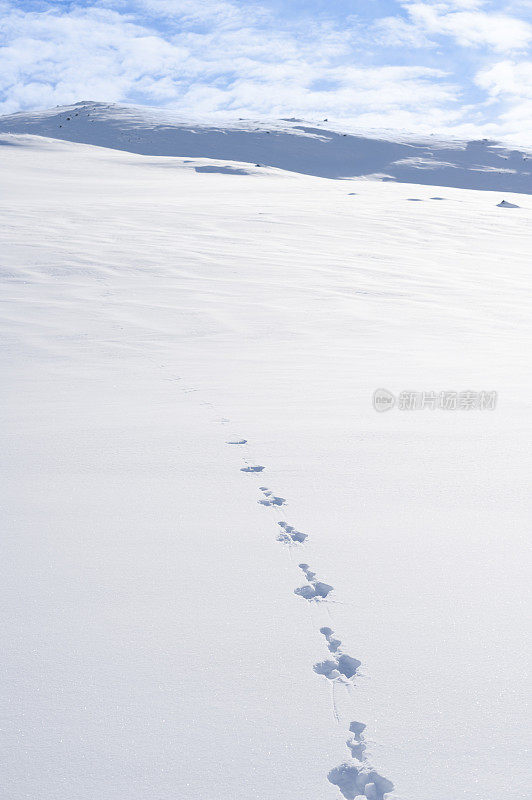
290, 535
332, 642
359, 780
270, 499
356, 742
340, 666
357, 776
314, 590
309, 575
257, 468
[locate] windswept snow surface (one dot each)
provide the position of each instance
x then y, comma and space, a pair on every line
224, 575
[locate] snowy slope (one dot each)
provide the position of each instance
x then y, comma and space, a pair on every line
287, 144
163, 639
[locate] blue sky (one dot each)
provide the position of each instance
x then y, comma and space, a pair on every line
460, 66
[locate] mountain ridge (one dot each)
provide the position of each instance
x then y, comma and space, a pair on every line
288, 144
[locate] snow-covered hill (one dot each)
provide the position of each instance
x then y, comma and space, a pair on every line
224, 574
287, 144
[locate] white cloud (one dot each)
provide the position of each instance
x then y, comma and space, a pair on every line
501, 32
221, 57
507, 78
397, 32
509, 84
102, 54
469, 5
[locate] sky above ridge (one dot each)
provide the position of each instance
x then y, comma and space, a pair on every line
457, 66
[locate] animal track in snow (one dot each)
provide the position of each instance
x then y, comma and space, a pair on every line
356, 742
356, 779
332, 643
309, 575
290, 535
341, 665
269, 498
314, 590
